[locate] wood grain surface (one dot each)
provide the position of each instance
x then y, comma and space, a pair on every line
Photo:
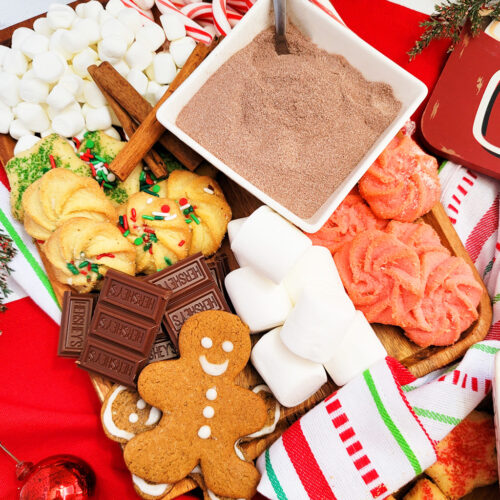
418, 360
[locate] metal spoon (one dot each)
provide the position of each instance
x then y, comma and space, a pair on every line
280, 25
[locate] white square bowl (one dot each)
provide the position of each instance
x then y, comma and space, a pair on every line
334, 38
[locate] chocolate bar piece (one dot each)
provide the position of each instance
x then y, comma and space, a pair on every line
219, 268
162, 350
208, 297
182, 277
75, 322
124, 326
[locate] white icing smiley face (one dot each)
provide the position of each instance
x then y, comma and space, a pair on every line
214, 369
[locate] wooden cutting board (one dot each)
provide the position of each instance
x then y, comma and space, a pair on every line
419, 361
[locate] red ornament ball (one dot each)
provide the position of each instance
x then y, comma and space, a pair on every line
60, 477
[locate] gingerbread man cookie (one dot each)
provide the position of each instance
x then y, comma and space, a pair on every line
204, 411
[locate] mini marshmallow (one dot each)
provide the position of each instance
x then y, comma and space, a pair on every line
15, 62
72, 82
114, 118
89, 10
48, 67
9, 89
174, 28
138, 56
112, 132
34, 44
270, 244
60, 16
3, 51
25, 142
93, 95
33, 90
73, 41
359, 349
18, 37
17, 129
46, 132
181, 50
6, 117
83, 60
259, 302
113, 27
151, 35
89, 29
98, 118
318, 322
114, 7
56, 44
164, 68
145, 4
85, 109
33, 116
316, 266
68, 123
138, 80
161, 91
122, 67
131, 18
151, 92
60, 97
292, 379
112, 47
41, 25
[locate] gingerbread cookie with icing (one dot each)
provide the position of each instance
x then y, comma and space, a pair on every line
204, 411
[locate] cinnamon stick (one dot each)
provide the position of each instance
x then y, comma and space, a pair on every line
138, 108
150, 130
151, 158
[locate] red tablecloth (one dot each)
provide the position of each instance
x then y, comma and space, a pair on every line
47, 405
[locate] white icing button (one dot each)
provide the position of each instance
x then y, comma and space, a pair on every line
141, 404
204, 432
227, 346
211, 394
133, 418
206, 342
208, 412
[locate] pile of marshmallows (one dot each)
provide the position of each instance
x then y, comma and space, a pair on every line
288, 286
44, 83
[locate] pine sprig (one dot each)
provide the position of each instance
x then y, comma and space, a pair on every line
7, 252
450, 17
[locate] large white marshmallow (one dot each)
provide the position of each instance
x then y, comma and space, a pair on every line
112, 47
174, 28
68, 123
113, 27
318, 322
315, 267
138, 80
18, 37
48, 67
33, 116
98, 118
41, 25
25, 142
17, 129
181, 50
93, 96
15, 62
292, 379
131, 18
6, 117
9, 89
359, 349
232, 230
60, 97
83, 60
151, 35
270, 244
34, 44
33, 90
164, 68
138, 56
112, 132
259, 302
60, 16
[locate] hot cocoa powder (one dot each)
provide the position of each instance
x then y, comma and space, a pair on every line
293, 125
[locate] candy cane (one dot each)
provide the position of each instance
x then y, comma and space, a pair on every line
203, 12
220, 17
239, 5
143, 12
193, 29
327, 7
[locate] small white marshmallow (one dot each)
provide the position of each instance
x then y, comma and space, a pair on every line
3, 51
89, 29
17, 129
18, 37
60, 16
41, 25
60, 97
181, 50
112, 132
73, 42
33, 90
113, 27
93, 95
33, 116
89, 10
83, 60
56, 44
48, 67
114, 7
98, 118
25, 142
6, 117
151, 35
138, 56
122, 68
72, 82
138, 80
9, 89
112, 47
34, 44
174, 28
151, 92
68, 123
131, 18
15, 62
164, 68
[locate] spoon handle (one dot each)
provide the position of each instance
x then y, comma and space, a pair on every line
280, 17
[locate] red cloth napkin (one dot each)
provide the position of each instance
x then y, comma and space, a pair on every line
47, 405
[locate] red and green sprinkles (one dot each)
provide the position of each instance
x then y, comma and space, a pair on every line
98, 165
85, 267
